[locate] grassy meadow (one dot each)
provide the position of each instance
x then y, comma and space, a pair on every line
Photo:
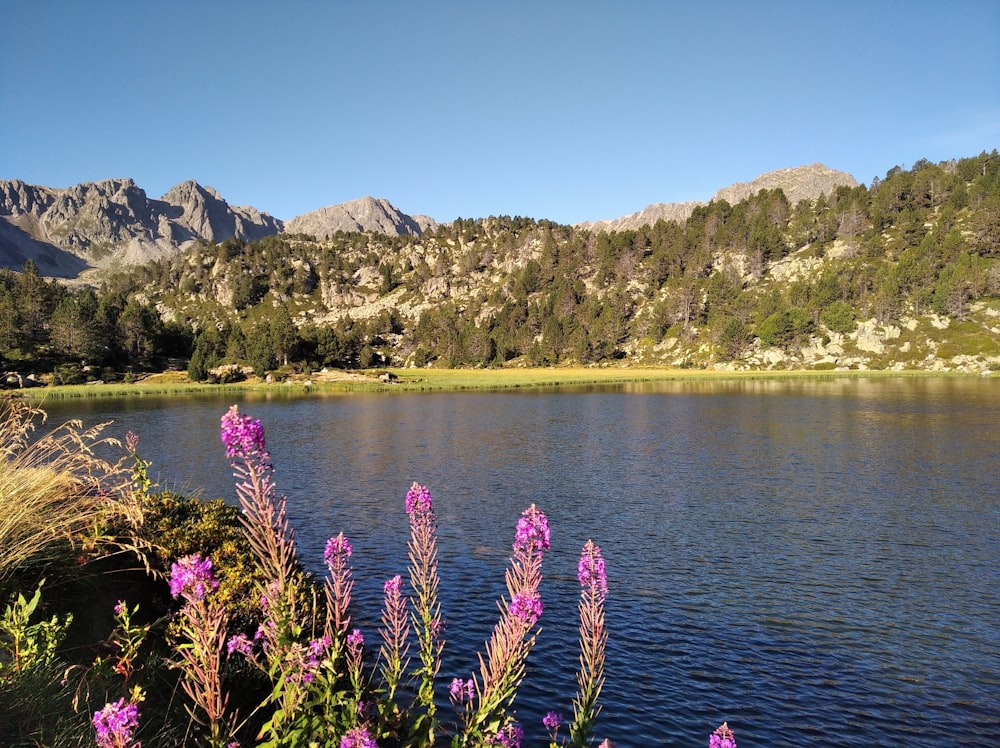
427, 380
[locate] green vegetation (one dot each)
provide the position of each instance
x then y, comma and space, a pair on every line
745, 286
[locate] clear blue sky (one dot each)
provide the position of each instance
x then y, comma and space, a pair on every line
570, 111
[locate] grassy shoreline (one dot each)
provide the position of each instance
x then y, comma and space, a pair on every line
443, 380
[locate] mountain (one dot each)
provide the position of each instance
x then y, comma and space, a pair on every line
113, 223
210, 218
646, 217
364, 214
798, 183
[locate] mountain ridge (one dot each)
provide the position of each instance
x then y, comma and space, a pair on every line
806, 182
97, 226
112, 223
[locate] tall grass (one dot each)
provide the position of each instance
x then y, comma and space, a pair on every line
52, 487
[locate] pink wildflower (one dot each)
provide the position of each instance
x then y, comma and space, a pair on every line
723, 737
115, 723
191, 577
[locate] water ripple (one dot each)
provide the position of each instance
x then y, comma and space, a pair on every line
809, 561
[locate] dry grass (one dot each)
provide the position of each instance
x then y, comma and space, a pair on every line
51, 487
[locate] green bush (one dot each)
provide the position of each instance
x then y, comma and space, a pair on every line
68, 374
786, 328
839, 317
174, 526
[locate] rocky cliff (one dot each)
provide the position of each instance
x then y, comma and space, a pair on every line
112, 223
798, 183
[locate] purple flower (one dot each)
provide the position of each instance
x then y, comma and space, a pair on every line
552, 720
120, 608
337, 551
418, 500
591, 570
509, 737
115, 723
393, 586
462, 690
532, 530
526, 606
302, 661
240, 643
355, 639
191, 577
723, 737
242, 435
314, 654
359, 737
318, 647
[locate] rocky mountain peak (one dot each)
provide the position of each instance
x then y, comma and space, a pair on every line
112, 222
364, 214
798, 183
206, 215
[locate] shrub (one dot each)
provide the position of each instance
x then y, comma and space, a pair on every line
786, 327
839, 317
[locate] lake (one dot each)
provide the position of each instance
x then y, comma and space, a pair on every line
812, 561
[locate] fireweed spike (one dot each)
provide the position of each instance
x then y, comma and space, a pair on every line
503, 667
427, 622
593, 578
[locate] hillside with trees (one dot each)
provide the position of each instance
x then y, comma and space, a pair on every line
901, 274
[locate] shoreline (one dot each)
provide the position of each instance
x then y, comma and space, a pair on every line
445, 380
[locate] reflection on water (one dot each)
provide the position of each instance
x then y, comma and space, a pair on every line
807, 559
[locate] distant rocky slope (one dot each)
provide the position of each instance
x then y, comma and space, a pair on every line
364, 214
646, 217
113, 223
798, 183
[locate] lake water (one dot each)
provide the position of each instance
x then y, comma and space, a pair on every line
814, 561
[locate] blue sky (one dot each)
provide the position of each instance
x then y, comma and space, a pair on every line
569, 111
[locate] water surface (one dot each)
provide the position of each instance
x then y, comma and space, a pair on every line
809, 560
